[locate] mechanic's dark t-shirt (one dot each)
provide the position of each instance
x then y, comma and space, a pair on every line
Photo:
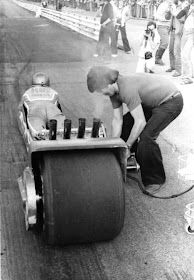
149, 89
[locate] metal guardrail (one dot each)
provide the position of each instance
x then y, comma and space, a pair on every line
82, 24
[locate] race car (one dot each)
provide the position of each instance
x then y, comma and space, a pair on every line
72, 187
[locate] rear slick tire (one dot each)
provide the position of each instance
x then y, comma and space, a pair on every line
83, 196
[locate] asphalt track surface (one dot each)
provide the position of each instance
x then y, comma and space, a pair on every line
153, 244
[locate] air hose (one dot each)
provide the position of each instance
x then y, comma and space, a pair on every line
142, 188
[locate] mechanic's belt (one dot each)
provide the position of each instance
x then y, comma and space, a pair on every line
175, 94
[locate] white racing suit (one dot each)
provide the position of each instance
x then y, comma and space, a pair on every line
41, 104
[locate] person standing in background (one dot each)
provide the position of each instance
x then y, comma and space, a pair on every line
176, 32
44, 4
107, 31
188, 48
133, 8
139, 8
122, 17
163, 16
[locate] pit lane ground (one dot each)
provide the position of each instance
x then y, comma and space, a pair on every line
153, 243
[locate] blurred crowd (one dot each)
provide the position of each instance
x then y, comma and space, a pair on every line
169, 21
172, 20
137, 8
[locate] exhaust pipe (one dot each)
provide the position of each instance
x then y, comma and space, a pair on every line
53, 130
67, 129
95, 128
81, 128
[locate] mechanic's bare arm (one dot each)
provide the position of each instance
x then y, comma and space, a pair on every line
117, 122
139, 124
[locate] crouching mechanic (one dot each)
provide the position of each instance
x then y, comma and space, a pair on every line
42, 105
153, 103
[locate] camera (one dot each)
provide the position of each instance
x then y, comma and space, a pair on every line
147, 32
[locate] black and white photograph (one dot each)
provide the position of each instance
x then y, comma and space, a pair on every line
97, 139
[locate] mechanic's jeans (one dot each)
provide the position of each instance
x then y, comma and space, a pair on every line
147, 150
164, 36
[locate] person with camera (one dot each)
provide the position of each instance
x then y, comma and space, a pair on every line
153, 102
149, 45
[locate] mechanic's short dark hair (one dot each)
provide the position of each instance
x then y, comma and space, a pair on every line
100, 77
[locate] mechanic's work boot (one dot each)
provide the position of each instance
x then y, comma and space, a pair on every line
158, 58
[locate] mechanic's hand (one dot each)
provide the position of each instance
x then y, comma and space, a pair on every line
38, 135
129, 151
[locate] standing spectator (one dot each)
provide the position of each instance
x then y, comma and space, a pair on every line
187, 59
139, 8
44, 4
150, 9
77, 3
107, 31
156, 5
58, 5
95, 5
176, 32
133, 8
122, 17
149, 45
100, 5
129, 3
145, 9
163, 16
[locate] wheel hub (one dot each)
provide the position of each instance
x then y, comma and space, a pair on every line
29, 197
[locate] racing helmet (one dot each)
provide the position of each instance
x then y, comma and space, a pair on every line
40, 79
